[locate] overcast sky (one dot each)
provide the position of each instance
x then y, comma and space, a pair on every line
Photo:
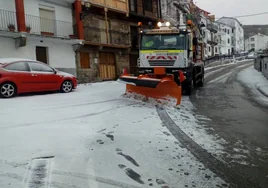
236, 8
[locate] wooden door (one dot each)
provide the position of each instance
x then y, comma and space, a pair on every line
107, 66
41, 54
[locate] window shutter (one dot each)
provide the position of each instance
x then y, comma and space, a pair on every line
84, 60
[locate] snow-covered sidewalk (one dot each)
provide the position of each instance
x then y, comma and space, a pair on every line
93, 137
218, 65
255, 81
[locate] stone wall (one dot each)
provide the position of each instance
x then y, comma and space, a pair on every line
87, 75
122, 61
265, 67
95, 30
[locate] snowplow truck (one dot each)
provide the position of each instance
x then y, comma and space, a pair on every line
170, 63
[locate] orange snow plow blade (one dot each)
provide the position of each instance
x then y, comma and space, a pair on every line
163, 89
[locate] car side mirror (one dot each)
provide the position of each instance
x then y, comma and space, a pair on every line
55, 71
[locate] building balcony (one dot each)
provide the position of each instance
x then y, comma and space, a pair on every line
48, 27
36, 25
8, 21
117, 5
138, 10
111, 38
212, 27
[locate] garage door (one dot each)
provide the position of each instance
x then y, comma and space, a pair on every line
107, 66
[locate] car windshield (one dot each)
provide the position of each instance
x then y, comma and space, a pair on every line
163, 42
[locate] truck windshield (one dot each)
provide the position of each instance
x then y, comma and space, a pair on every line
163, 42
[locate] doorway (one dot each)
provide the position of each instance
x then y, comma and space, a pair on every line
134, 64
107, 66
41, 54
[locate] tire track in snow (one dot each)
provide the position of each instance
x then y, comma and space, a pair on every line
76, 117
208, 160
94, 178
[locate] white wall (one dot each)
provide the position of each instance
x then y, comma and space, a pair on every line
223, 45
60, 55
7, 5
260, 42
239, 32
169, 11
63, 16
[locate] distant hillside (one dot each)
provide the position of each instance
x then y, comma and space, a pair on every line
250, 30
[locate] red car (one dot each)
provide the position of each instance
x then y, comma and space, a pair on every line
23, 76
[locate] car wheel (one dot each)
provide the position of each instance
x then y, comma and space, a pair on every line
67, 86
8, 90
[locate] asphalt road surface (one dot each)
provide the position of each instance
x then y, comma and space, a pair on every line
238, 118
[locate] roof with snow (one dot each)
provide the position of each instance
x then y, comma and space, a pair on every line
231, 18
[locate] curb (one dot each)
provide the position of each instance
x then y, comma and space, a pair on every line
262, 92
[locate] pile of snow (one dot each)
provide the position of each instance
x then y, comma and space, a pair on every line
194, 126
165, 101
256, 82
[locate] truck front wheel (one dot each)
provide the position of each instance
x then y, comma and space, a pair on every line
188, 87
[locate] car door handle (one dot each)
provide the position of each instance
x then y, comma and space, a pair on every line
34, 74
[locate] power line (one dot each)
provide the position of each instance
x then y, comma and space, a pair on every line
249, 15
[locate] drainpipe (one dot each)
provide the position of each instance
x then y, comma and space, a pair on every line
20, 15
79, 19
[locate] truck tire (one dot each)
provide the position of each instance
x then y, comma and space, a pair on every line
189, 88
202, 80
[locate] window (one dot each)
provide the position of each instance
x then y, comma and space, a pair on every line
84, 60
252, 45
209, 48
148, 5
252, 39
133, 5
265, 65
233, 30
228, 31
47, 20
216, 49
228, 41
38, 67
163, 42
18, 66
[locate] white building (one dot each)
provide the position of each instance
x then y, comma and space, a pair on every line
225, 39
237, 30
39, 29
257, 42
174, 11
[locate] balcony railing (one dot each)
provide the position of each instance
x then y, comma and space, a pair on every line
8, 20
49, 27
112, 37
112, 4
36, 25
212, 27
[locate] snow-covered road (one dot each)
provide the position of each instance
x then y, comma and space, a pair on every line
93, 137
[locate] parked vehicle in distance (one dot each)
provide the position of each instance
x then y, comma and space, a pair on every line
251, 56
24, 76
